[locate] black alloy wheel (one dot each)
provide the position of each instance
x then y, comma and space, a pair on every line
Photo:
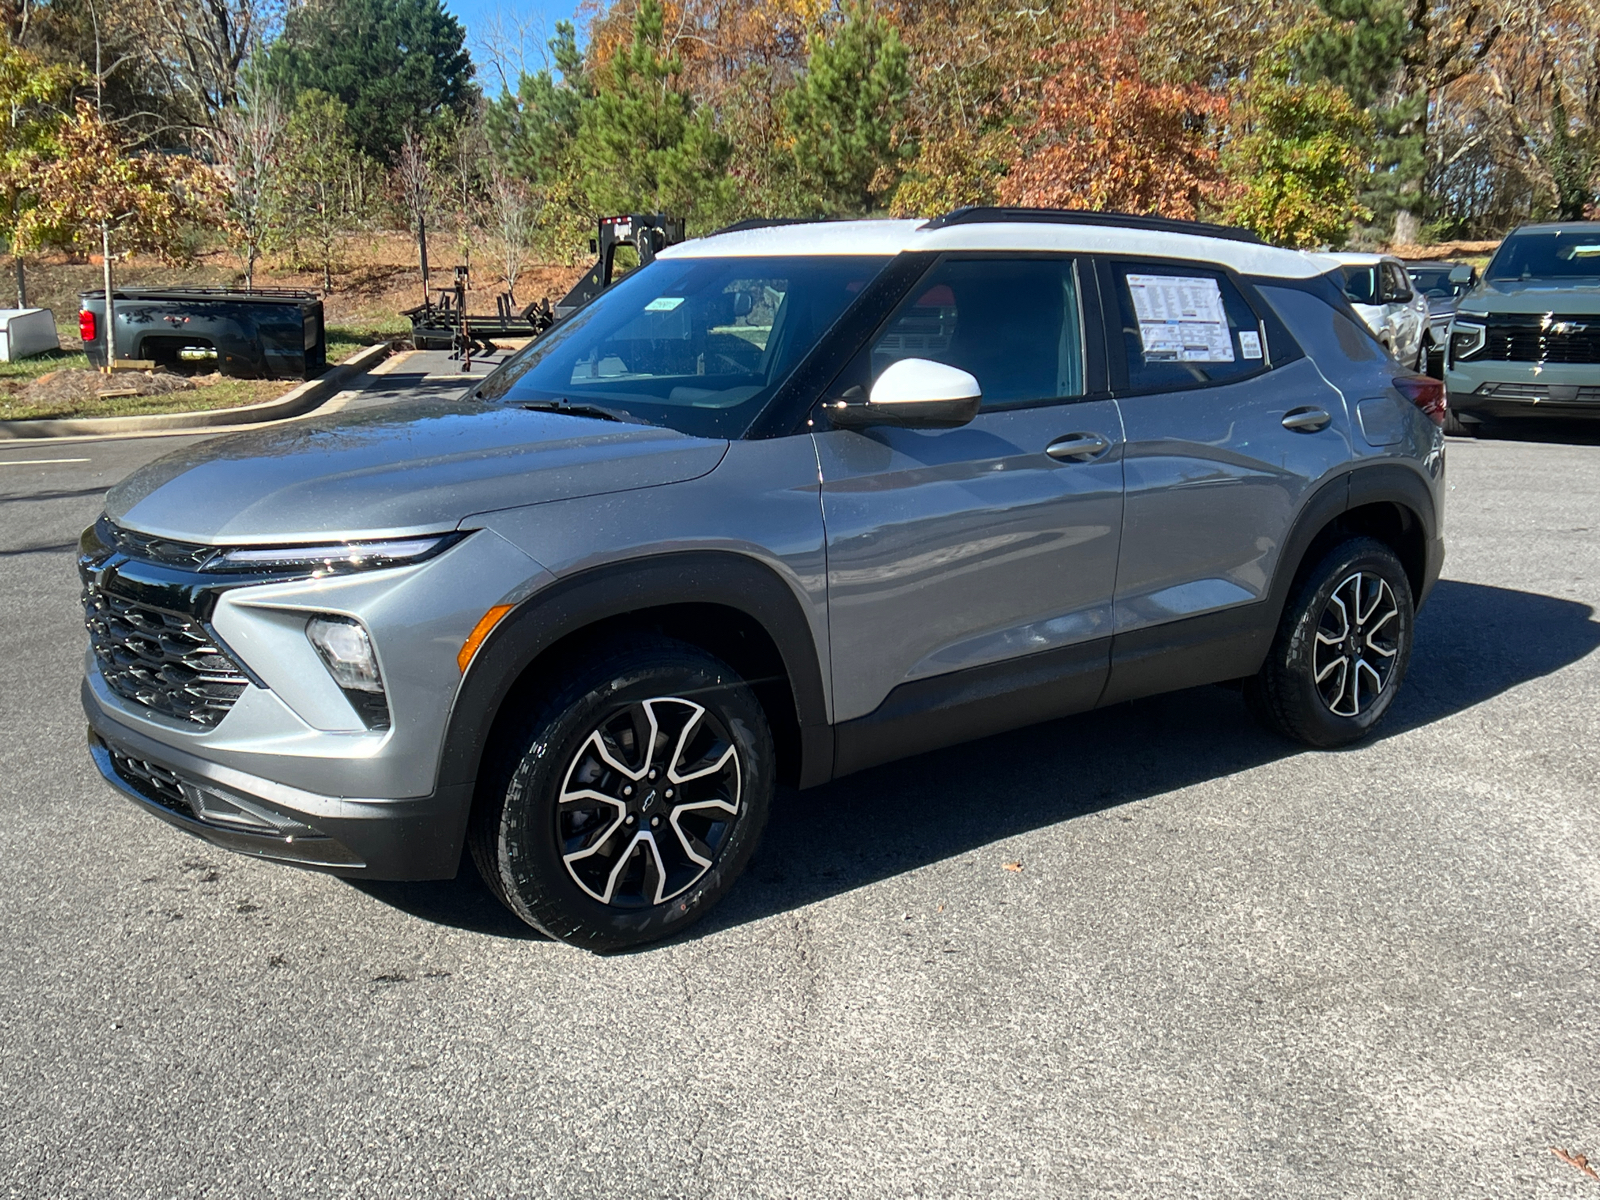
623, 804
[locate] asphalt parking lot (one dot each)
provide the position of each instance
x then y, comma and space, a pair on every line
1227, 967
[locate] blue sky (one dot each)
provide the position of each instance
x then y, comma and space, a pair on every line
534, 19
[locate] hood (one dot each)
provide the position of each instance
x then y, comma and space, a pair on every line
1533, 296
419, 466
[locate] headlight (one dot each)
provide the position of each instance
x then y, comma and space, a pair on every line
346, 650
1466, 339
334, 557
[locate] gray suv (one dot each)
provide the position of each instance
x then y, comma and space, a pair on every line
1526, 341
790, 502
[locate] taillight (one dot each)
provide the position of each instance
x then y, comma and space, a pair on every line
86, 328
1426, 392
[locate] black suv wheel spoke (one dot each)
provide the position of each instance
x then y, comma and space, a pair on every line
647, 802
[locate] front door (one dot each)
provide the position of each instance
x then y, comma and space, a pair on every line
963, 562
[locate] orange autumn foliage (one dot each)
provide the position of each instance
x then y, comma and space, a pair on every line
1103, 136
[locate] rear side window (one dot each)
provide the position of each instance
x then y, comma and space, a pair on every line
1185, 326
1014, 324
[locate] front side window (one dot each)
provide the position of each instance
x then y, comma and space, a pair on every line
1185, 326
695, 344
1014, 324
1555, 254
1396, 284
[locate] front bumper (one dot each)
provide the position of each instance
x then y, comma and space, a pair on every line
1507, 391
410, 839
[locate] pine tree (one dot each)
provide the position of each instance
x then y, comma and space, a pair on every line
644, 146
845, 112
532, 132
394, 64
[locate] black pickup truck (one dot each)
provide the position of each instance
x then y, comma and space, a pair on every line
267, 333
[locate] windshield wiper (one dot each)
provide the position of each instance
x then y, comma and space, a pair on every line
598, 411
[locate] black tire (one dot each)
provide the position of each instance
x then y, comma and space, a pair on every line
1453, 425
1287, 696
590, 870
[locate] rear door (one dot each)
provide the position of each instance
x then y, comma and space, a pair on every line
1228, 426
963, 549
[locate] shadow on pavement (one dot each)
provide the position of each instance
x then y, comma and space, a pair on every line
1575, 432
1473, 642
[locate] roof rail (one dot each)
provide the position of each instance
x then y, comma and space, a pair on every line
979, 215
763, 223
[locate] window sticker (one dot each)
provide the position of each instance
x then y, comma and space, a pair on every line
1249, 343
1181, 318
663, 304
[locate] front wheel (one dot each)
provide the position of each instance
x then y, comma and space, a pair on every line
624, 804
1341, 650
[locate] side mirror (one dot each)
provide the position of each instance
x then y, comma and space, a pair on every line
914, 393
1461, 274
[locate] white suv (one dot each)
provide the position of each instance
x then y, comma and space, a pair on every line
1380, 290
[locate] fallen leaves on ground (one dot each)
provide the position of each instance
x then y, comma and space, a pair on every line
1581, 1161
1012, 866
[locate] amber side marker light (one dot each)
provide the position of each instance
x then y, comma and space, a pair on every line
479, 632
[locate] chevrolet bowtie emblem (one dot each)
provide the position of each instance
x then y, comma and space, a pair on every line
1568, 327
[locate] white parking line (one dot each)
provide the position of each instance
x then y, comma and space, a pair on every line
38, 462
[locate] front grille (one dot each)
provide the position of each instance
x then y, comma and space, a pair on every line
1541, 338
165, 661
151, 780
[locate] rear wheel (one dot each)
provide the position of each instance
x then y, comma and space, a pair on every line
626, 802
1341, 650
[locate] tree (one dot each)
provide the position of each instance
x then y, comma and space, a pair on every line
845, 112
416, 183
532, 132
1395, 58
199, 49
29, 90
1296, 159
1546, 93
97, 193
394, 64
644, 146
318, 157
1103, 136
510, 216
250, 152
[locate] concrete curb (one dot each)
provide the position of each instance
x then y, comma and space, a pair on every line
293, 403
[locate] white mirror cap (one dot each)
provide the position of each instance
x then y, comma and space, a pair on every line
919, 380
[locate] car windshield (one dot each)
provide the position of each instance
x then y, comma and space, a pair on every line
1435, 284
1361, 284
699, 345
1554, 254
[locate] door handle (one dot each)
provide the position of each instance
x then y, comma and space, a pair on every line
1306, 420
1077, 447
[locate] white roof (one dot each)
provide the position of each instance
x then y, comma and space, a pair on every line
1351, 259
893, 237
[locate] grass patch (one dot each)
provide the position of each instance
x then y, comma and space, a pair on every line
347, 338
18, 374
223, 393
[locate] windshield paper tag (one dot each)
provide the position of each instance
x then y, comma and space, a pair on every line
663, 304
1249, 343
1181, 319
